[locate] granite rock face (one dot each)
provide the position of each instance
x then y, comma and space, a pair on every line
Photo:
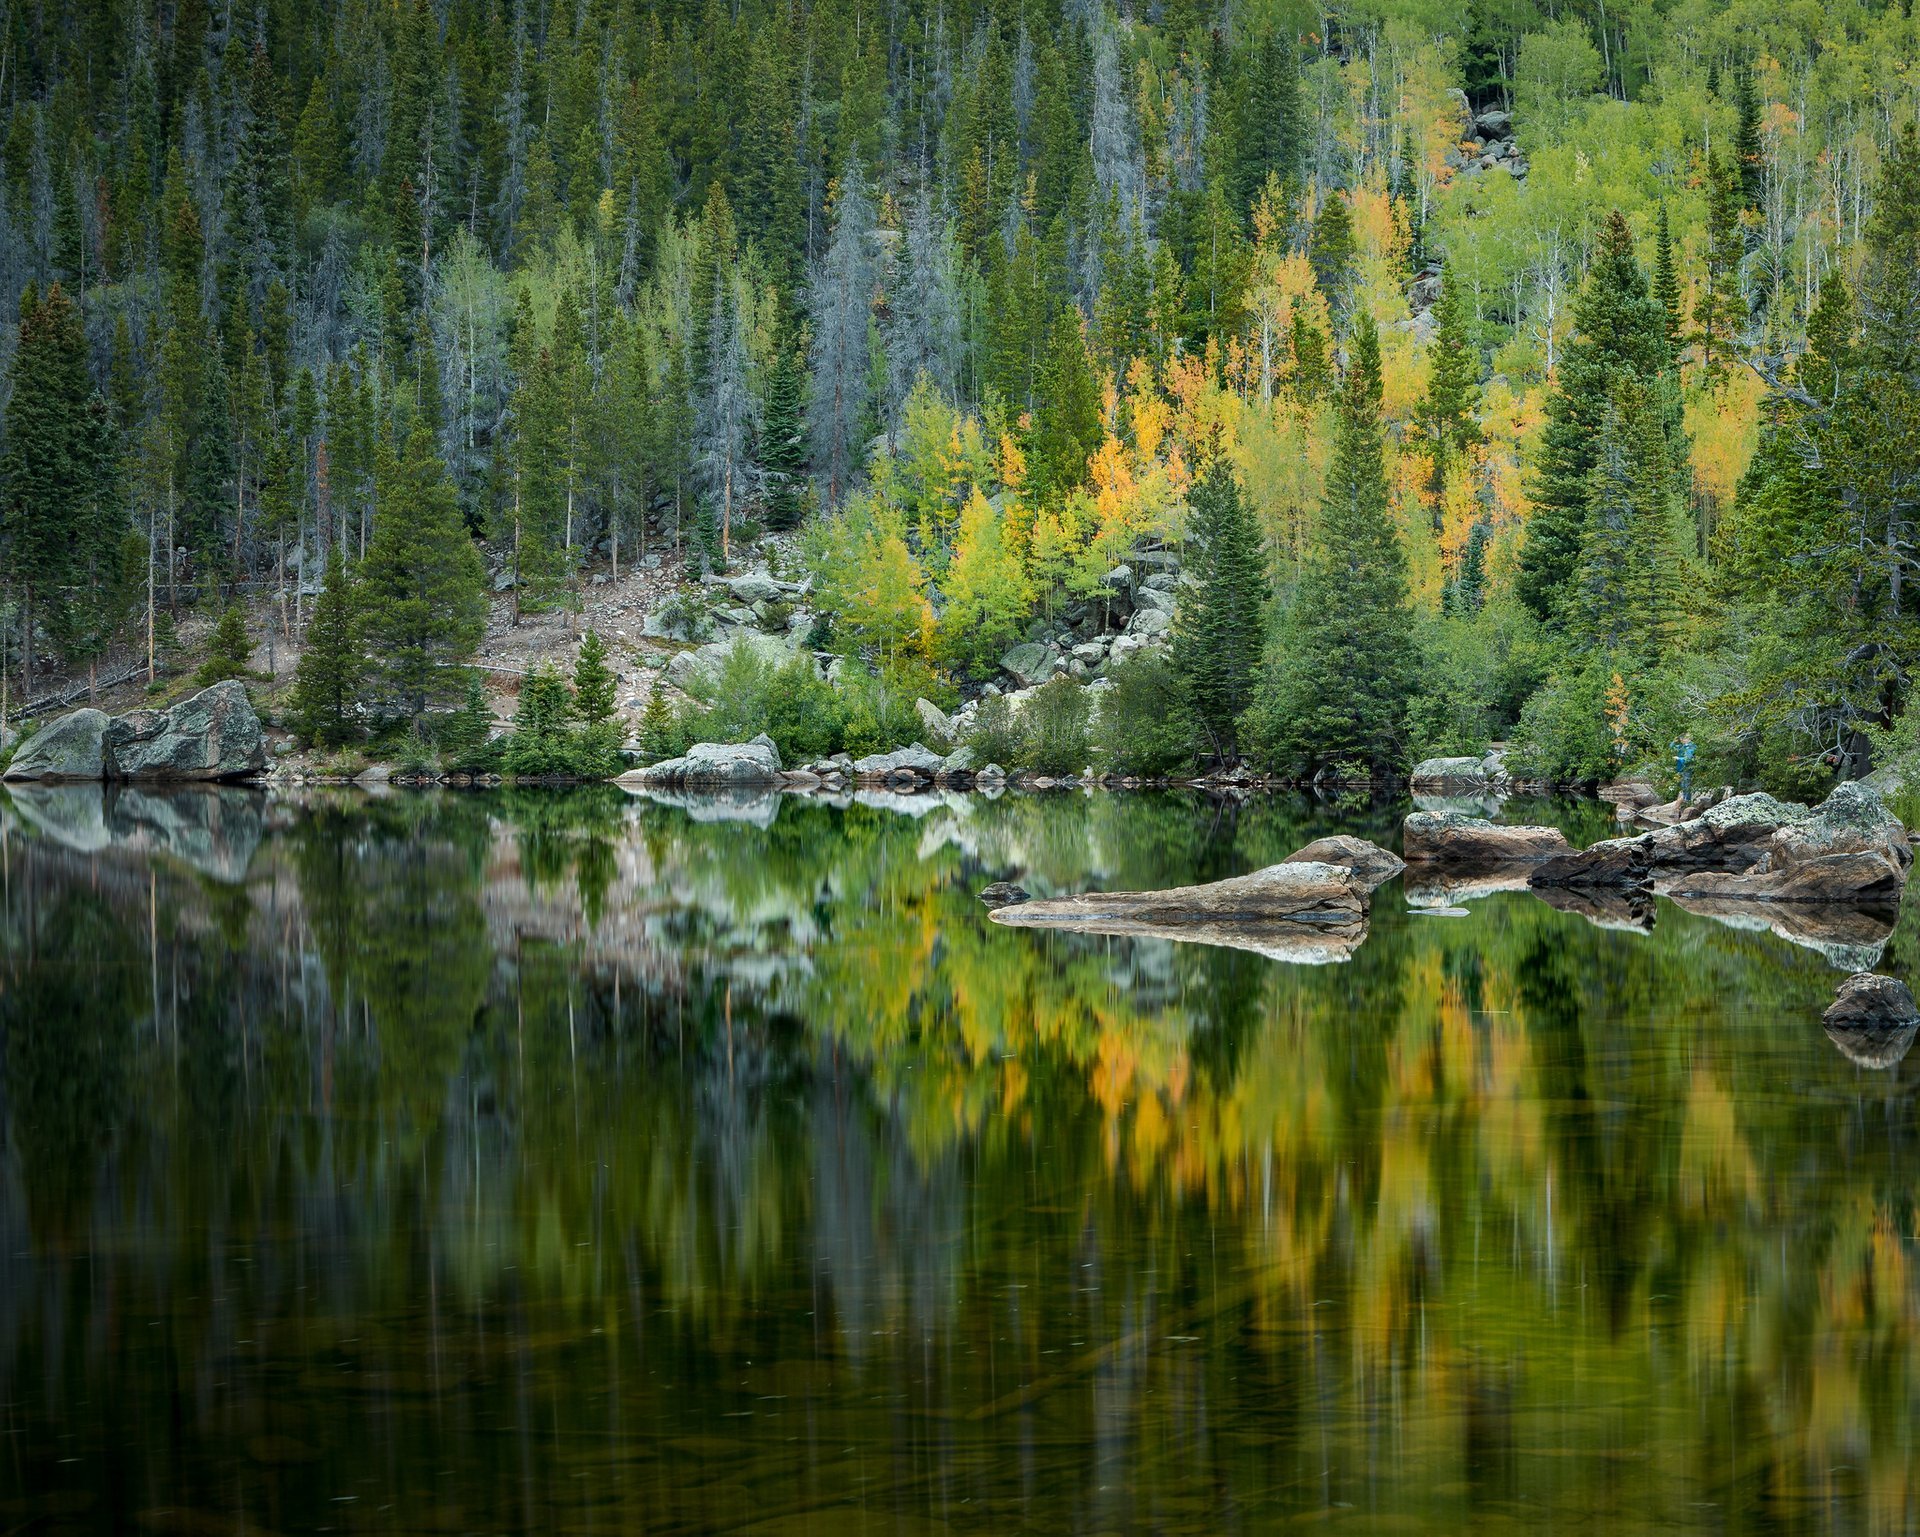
715, 766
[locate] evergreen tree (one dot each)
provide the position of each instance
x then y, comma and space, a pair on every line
1269, 126
1453, 386
423, 595
1666, 285
840, 302
1331, 249
230, 652
1067, 427
1621, 601
656, 724
1619, 333
1721, 309
51, 448
783, 443
1749, 165
327, 680
594, 684
1221, 622
1347, 659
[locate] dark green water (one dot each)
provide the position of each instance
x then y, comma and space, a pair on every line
582, 1164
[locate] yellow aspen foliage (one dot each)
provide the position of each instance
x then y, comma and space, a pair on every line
1282, 456
987, 591
1281, 286
1723, 426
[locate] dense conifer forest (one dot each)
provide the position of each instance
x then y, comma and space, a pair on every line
1490, 371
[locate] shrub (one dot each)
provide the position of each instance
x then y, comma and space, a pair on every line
1054, 725
995, 736
789, 701
1563, 734
1141, 725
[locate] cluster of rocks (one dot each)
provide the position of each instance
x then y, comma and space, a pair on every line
1748, 848
212, 736
1486, 142
720, 766
1132, 611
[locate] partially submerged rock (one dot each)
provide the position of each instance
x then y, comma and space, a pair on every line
1003, 894
1468, 844
1873, 1020
1848, 849
916, 759
1616, 864
716, 766
1307, 912
1372, 866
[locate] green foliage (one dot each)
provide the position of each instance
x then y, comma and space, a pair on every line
1562, 735
465, 736
1221, 621
544, 743
1345, 668
751, 694
594, 684
995, 735
1054, 728
660, 736
326, 682
1141, 725
230, 651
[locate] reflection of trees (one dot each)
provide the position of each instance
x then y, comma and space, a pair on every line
1384, 1233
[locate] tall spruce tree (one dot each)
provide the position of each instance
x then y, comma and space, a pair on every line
327, 679
1453, 386
1666, 284
1619, 333
423, 596
1221, 625
1347, 659
1622, 600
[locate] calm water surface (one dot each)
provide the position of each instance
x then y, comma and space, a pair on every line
585, 1164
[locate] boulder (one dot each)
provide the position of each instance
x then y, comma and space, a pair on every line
1155, 598
1306, 913
1873, 1020
916, 760
1495, 124
1003, 894
1630, 794
72, 747
1848, 849
1466, 845
1370, 865
938, 725
1444, 773
214, 735
1031, 663
959, 761
714, 765
1119, 578
1147, 623
1617, 864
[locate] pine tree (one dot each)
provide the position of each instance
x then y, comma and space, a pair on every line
1331, 249
1347, 658
1721, 308
1619, 333
423, 596
230, 652
656, 724
327, 680
1749, 158
1666, 285
594, 683
1621, 601
1067, 424
50, 450
1221, 624
783, 443
1453, 386
840, 301
1270, 128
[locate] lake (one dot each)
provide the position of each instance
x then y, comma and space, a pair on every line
579, 1163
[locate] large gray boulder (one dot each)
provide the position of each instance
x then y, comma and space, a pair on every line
1467, 844
916, 759
714, 766
1032, 662
1371, 865
73, 747
1306, 913
214, 735
1445, 773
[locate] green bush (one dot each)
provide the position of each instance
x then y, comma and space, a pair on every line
1054, 724
1141, 725
544, 743
995, 736
751, 694
229, 652
1563, 734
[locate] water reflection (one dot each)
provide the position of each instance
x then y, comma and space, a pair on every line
539, 1162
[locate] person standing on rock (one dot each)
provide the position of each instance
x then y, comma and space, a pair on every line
1683, 765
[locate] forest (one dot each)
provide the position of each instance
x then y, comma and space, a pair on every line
1503, 371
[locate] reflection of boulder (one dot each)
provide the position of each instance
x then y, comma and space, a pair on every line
1308, 913
1873, 1020
212, 828
1630, 910
1466, 845
215, 829
1429, 887
1372, 866
756, 807
1487, 805
1851, 937
71, 815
